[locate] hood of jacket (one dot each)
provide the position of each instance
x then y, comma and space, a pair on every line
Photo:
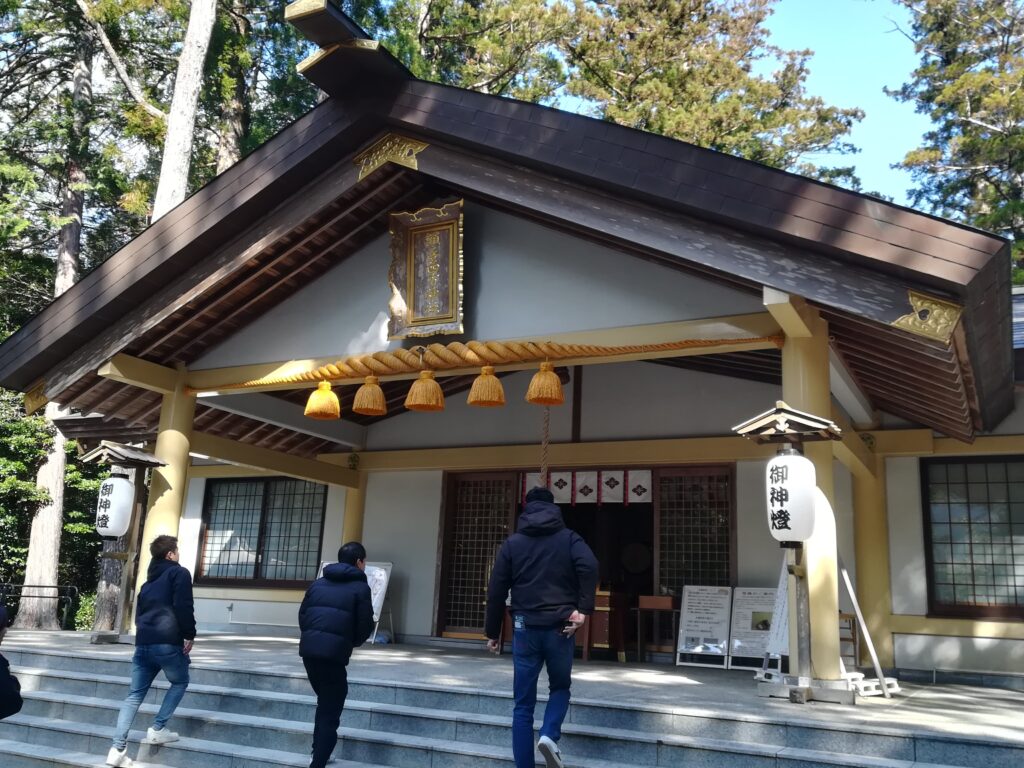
343, 572
157, 568
540, 518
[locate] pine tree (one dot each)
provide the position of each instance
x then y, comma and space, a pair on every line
970, 167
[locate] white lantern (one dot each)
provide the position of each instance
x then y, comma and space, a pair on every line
114, 507
789, 490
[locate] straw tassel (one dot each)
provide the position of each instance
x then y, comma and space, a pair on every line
323, 404
487, 391
369, 399
545, 387
425, 394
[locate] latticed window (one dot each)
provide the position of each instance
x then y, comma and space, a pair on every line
477, 523
974, 530
262, 530
694, 528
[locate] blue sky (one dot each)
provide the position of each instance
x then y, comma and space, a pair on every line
856, 54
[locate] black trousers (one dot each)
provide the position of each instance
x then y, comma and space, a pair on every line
330, 684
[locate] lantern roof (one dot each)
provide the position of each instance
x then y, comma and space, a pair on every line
118, 454
783, 424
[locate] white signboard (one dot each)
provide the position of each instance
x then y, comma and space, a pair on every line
751, 622
704, 621
778, 636
377, 576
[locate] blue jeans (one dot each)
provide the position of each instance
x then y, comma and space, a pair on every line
146, 663
532, 649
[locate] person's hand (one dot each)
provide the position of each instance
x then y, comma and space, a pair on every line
494, 645
187, 648
574, 622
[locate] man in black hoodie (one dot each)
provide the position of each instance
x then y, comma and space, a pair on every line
165, 627
336, 616
552, 574
10, 688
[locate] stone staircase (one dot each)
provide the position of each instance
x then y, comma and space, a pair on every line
236, 718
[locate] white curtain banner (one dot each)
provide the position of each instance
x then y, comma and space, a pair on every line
561, 487
611, 486
530, 481
586, 488
640, 486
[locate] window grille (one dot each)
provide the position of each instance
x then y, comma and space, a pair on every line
974, 531
478, 524
262, 530
694, 528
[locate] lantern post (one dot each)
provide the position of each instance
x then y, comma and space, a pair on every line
119, 513
793, 503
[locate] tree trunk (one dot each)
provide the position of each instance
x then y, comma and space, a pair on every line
181, 120
36, 611
234, 113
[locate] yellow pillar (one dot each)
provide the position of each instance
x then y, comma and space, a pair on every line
355, 507
805, 386
871, 538
168, 483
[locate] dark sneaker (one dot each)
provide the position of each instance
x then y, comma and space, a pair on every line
549, 751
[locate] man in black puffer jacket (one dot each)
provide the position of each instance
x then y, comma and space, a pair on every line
336, 616
165, 627
553, 577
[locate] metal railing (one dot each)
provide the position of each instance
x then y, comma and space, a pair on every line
65, 595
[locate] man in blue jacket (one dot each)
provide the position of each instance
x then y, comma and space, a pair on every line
336, 616
552, 574
165, 628
10, 688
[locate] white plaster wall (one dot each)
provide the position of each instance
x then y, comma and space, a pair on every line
636, 401
343, 312
334, 520
909, 578
965, 654
401, 526
521, 280
1014, 423
191, 522
620, 401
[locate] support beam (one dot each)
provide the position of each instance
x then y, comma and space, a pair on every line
355, 511
168, 483
852, 451
792, 313
848, 393
629, 453
140, 373
805, 386
871, 541
757, 325
234, 452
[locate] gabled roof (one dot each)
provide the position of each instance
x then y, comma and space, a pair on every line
299, 204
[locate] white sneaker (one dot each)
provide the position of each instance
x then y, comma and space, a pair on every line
549, 751
119, 758
163, 736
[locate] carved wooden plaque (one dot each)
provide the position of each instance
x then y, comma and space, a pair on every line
426, 272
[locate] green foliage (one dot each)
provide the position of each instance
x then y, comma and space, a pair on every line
970, 167
85, 614
23, 446
692, 71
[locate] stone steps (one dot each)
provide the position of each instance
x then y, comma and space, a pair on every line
231, 718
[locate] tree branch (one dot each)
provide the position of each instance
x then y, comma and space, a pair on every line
133, 87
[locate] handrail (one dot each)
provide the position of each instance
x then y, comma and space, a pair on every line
65, 594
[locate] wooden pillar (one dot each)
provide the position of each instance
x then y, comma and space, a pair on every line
871, 538
168, 483
355, 508
805, 386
